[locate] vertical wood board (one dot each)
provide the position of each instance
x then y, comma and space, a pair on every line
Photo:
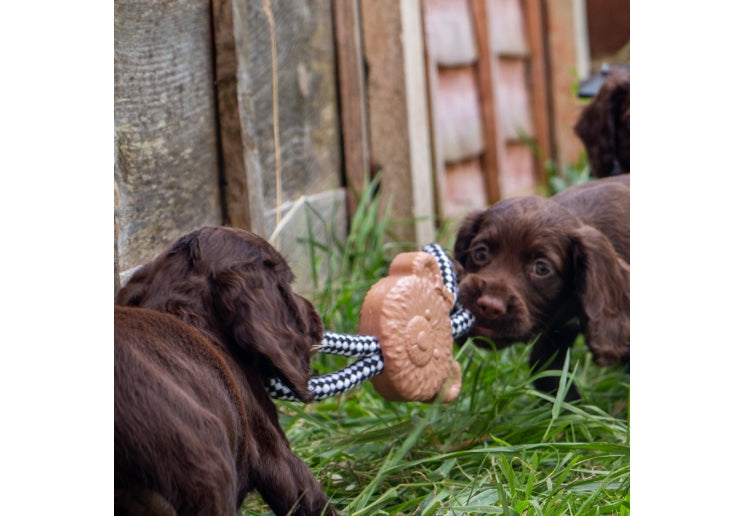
465, 188
513, 98
450, 34
166, 165
304, 69
563, 55
418, 121
243, 192
518, 174
398, 114
539, 80
352, 97
507, 27
437, 144
458, 116
487, 78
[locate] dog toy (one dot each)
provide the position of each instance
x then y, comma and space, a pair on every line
407, 324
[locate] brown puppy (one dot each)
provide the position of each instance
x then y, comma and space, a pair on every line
604, 126
200, 330
552, 268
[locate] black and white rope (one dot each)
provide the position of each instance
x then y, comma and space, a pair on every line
332, 384
462, 320
349, 345
445, 267
367, 348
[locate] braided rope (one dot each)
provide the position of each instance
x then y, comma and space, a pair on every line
367, 348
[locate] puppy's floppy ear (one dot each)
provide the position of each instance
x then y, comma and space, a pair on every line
468, 229
179, 258
603, 284
259, 314
173, 282
620, 100
134, 290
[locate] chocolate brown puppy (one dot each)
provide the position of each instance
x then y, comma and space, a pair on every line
549, 268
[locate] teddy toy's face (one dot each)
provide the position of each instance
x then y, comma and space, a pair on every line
408, 312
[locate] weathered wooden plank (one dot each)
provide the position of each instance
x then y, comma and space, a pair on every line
507, 27
398, 119
513, 98
518, 175
465, 188
538, 66
352, 97
412, 25
243, 192
166, 166
487, 77
566, 107
286, 72
458, 115
437, 145
449, 29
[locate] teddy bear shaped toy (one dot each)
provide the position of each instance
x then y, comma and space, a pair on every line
408, 322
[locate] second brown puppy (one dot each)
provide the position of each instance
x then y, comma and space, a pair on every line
551, 269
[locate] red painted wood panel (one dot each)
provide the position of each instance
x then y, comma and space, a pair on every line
449, 29
513, 97
482, 110
458, 114
507, 27
465, 188
518, 175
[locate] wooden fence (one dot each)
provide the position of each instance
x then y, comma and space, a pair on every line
268, 114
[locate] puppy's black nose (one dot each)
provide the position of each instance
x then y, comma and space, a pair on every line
492, 306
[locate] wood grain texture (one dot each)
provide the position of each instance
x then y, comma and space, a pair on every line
352, 97
307, 115
539, 85
563, 55
166, 165
450, 35
465, 188
515, 109
398, 114
487, 79
243, 192
458, 114
507, 27
437, 144
518, 175
418, 121
321, 217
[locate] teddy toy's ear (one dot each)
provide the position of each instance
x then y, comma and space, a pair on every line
603, 282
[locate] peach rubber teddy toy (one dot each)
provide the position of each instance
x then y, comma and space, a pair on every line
407, 324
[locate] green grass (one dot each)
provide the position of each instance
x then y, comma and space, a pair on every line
571, 174
500, 448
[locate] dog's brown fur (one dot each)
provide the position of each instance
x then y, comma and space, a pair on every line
552, 268
604, 126
198, 333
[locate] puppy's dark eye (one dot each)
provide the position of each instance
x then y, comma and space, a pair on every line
479, 254
542, 267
